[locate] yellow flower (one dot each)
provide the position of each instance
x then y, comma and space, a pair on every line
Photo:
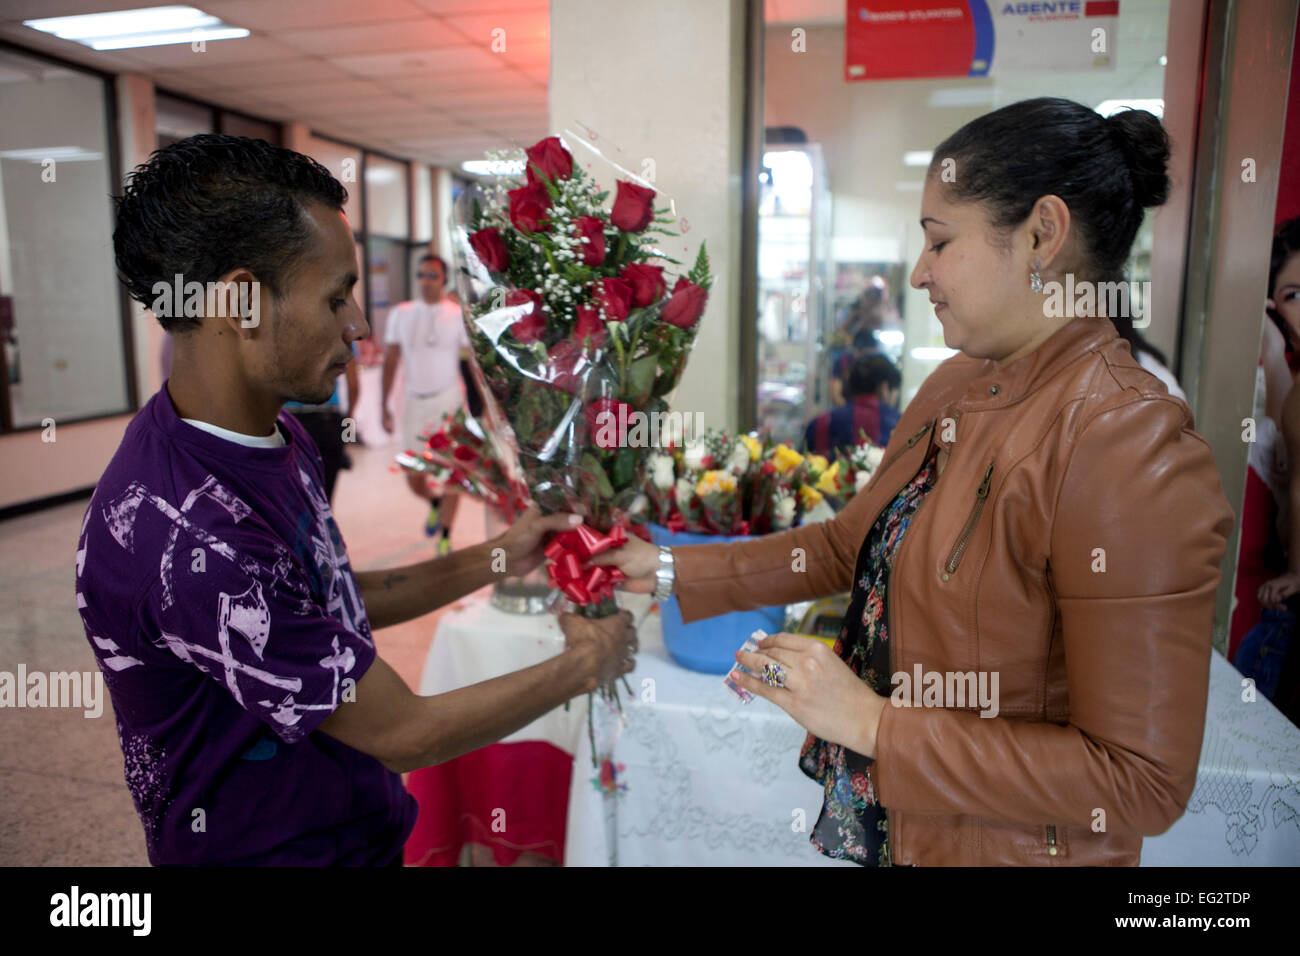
715, 481
810, 495
786, 458
817, 463
755, 449
828, 482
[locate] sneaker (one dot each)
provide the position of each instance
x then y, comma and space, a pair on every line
444, 544
431, 522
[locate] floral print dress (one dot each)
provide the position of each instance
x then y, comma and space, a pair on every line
852, 825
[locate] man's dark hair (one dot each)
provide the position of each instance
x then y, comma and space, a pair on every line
430, 257
211, 203
867, 374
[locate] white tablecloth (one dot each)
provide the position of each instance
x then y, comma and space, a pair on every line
712, 781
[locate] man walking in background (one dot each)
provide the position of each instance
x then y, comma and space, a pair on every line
429, 335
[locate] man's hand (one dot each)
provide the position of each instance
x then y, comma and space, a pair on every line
638, 561
525, 540
611, 642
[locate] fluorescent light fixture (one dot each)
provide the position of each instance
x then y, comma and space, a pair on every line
890, 336
151, 26
918, 157
932, 354
494, 167
1111, 107
60, 154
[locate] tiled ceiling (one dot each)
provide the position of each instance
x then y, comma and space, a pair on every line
416, 78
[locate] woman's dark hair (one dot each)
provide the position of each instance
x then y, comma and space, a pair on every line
211, 203
1105, 169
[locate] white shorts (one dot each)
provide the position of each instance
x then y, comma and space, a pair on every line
421, 415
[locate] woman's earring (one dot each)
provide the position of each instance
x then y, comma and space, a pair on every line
1036, 277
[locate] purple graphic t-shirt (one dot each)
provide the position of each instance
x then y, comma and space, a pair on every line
217, 596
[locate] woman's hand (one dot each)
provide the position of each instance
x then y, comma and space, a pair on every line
637, 560
525, 540
821, 692
1273, 594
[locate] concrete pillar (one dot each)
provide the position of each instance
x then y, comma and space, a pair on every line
665, 81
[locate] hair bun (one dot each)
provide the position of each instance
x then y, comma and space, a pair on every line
1145, 144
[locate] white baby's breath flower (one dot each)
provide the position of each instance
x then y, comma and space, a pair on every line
873, 456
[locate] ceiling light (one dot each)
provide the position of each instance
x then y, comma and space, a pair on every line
494, 167
151, 26
918, 157
932, 354
61, 154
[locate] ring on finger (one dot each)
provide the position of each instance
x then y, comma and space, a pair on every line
773, 674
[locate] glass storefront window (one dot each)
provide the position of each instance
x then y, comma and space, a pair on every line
873, 139
61, 312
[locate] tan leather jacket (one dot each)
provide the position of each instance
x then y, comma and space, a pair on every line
1067, 461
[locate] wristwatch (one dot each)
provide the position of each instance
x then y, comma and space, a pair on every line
664, 574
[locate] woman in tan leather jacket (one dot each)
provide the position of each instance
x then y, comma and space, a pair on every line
1022, 675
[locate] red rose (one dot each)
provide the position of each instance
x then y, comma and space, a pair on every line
607, 421
566, 363
531, 325
593, 230
615, 297
648, 285
491, 249
529, 206
707, 462
589, 326
632, 210
687, 303
439, 441
465, 455
551, 158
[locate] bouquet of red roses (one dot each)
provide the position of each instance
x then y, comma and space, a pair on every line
458, 453
577, 341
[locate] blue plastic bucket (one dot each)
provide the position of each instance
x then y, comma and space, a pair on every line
709, 645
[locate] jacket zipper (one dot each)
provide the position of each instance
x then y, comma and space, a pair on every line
1051, 840
889, 587
896, 455
981, 495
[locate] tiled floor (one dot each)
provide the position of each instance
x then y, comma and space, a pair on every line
62, 796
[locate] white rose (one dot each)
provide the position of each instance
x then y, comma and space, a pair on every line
785, 512
694, 454
684, 493
663, 472
738, 463
860, 480
875, 454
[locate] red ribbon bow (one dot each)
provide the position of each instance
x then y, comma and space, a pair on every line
569, 550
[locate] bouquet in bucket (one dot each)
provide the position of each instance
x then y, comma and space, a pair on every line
458, 453
744, 485
580, 332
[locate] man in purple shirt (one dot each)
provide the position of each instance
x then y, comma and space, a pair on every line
257, 723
